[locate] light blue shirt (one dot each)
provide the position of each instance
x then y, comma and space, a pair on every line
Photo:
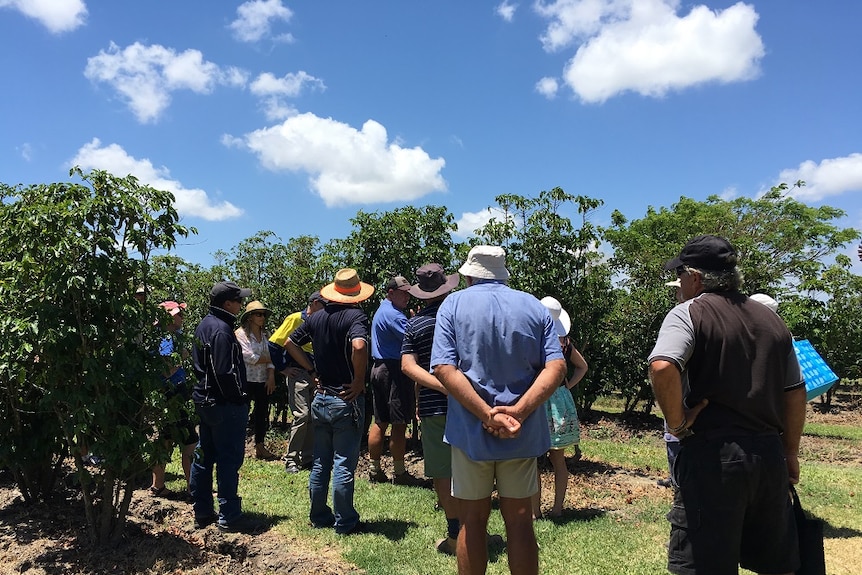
387, 331
500, 338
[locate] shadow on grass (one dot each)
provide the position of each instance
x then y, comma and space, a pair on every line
830, 532
392, 529
576, 515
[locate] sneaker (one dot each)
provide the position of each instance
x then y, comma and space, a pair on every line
291, 467
242, 524
404, 479
201, 522
664, 483
377, 477
446, 546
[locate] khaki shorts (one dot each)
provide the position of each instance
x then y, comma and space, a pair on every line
473, 480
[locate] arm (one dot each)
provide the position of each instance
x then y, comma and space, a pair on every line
415, 372
298, 355
460, 388
580, 365
359, 358
538, 393
794, 421
667, 387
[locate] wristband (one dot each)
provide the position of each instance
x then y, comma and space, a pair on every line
679, 428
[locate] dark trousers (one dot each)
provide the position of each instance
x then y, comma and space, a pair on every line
260, 413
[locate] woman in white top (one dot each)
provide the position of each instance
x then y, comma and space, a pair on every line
259, 370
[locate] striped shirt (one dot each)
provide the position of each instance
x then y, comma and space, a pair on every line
418, 337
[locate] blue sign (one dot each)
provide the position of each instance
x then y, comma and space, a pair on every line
819, 377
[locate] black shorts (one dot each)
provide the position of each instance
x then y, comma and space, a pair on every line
732, 508
392, 391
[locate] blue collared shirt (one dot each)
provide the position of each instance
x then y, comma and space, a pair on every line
387, 331
500, 338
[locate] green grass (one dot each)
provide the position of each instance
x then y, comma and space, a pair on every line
833, 431
615, 536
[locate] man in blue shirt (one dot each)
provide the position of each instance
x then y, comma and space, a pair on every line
392, 392
497, 354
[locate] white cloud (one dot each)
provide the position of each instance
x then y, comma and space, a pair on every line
273, 90
267, 84
729, 193
506, 11
469, 222
26, 151
254, 20
644, 46
56, 15
188, 201
145, 76
345, 165
831, 177
548, 87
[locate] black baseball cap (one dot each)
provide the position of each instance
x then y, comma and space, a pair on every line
705, 252
225, 291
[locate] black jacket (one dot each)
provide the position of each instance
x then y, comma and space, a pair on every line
217, 361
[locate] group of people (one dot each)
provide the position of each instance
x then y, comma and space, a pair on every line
493, 368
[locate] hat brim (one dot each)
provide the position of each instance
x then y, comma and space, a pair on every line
250, 311
452, 282
563, 324
330, 294
475, 270
673, 264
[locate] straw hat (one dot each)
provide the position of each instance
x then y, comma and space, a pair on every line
347, 288
252, 307
562, 321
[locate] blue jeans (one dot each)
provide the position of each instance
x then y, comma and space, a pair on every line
338, 430
222, 444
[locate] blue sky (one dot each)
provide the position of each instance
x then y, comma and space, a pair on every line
291, 116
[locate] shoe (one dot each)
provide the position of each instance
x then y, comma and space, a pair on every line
377, 477
291, 467
201, 522
446, 546
162, 492
360, 527
242, 524
664, 483
404, 479
261, 452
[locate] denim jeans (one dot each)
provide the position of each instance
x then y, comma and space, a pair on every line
222, 444
337, 433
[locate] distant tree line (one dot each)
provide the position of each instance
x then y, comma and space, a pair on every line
77, 372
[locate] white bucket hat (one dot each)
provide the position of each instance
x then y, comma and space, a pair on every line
486, 262
562, 321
